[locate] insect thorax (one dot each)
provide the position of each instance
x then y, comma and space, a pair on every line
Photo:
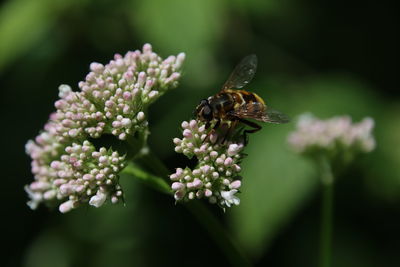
221, 103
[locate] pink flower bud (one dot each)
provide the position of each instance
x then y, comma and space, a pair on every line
235, 184
228, 161
185, 124
193, 124
179, 171
219, 161
66, 206
140, 116
197, 183
177, 186
208, 193
187, 133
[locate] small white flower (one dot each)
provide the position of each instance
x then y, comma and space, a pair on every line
230, 198
64, 90
98, 199
35, 198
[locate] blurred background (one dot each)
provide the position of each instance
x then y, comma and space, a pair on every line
326, 57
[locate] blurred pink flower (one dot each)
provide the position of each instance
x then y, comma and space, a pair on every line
333, 136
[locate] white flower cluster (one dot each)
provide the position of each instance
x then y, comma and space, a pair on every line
113, 100
81, 175
216, 176
113, 97
333, 136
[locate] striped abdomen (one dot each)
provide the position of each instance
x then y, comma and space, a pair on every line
229, 101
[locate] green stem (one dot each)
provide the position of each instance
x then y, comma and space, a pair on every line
206, 219
151, 162
327, 180
136, 144
153, 181
141, 153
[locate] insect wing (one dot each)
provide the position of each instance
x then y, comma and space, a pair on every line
275, 116
253, 110
242, 74
259, 112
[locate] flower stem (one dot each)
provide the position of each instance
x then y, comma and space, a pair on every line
153, 181
327, 180
150, 161
206, 219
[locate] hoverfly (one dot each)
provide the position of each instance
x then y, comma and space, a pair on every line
235, 105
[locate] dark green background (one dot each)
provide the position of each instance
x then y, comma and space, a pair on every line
326, 57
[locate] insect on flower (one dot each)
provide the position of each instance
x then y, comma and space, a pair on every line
235, 105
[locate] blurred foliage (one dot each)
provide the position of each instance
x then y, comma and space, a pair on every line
280, 181
24, 23
313, 56
382, 169
196, 29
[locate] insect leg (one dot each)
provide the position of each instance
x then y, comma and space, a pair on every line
216, 125
230, 130
255, 126
212, 130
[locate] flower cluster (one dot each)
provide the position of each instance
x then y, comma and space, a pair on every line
81, 174
334, 136
113, 100
216, 176
113, 97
